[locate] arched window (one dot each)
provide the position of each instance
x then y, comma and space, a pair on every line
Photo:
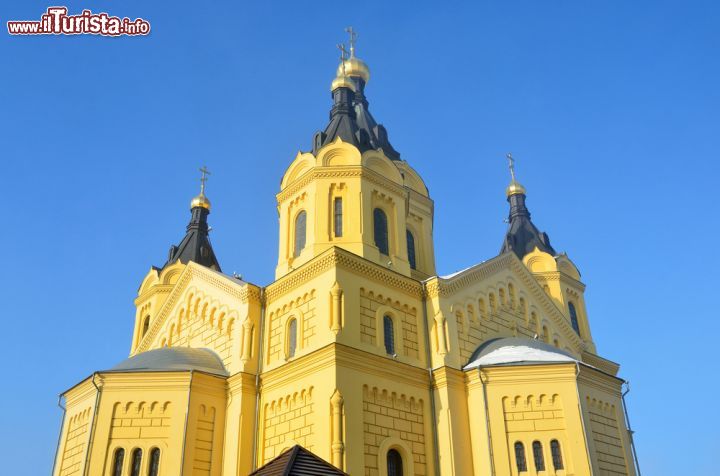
300, 232
394, 463
338, 212
146, 325
292, 337
573, 317
154, 465
136, 461
411, 249
556, 455
118, 462
520, 457
538, 456
389, 335
381, 231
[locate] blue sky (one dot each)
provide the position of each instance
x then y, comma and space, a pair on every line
612, 110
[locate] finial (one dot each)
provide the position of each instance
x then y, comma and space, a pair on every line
343, 56
201, 200
205, 172
514, 188
511, 165
353, 39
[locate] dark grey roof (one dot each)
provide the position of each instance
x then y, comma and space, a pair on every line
522, 236
195, 246
297, 461
516, 351
173, 359
351, 121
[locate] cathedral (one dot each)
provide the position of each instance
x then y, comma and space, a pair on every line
358, 358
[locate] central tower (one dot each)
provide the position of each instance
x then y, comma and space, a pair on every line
353, 191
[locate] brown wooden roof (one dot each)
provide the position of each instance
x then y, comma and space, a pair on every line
297, 461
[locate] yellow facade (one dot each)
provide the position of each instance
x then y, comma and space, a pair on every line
304, 359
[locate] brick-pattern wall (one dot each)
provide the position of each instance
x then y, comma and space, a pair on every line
75, 443
533, 413
474, 329
386, 414
606, 435
368, 332
140, 420
407, 316
205, 432
288, 421
302, 308
201, 322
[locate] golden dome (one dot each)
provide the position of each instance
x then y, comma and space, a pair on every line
200, 201
356, 68
342, 82
514, 189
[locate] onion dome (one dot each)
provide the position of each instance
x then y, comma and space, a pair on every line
195, 246
342, 81
522, 236
354, 67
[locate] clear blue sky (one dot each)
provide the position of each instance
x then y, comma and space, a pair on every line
612, 110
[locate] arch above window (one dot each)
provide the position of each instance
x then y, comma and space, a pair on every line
394, 463
573, 317
300, 232
338, 216
117, 468
411, 249
556, 455
538, 456
380, 231
136, 462
520, 460
154, 466
292, 337
146, 325
389, 335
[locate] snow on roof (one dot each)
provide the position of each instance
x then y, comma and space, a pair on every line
452, 275
509, 351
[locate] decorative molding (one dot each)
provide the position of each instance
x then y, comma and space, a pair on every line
338, 257
441, 287
321, 172
244, 292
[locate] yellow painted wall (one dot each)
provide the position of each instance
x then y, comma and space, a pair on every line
341, 394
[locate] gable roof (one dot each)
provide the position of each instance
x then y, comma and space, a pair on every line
297, 461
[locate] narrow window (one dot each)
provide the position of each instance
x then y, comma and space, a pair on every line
338, 216
411, 249
146, 325
389, 335
136, 460
292, 337
381, 231
556, 455
573, 317
520, 457
300, 229
118, 463
538, 456
394, 463
154, 465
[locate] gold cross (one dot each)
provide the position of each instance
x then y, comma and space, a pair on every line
353, 39
343, 55
203, 179
511, 165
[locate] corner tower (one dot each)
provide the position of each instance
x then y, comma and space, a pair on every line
353, 191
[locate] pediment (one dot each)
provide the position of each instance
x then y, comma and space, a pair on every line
199, 292
471, 284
